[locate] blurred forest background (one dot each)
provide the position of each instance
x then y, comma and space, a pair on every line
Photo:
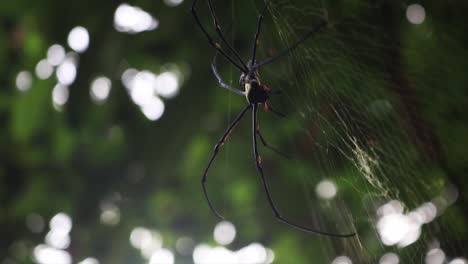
109, 113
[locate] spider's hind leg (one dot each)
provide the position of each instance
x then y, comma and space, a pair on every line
275, 210
277, 151
218, 145
276, 112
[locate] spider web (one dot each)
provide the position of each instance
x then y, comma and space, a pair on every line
355, 123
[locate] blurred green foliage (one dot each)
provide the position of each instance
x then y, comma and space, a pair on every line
372, 92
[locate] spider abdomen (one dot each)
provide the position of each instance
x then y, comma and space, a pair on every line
256, 93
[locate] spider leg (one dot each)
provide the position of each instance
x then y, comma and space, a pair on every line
215, 153
257, 34
221, 35
276, 112
285, 52
220, 79
214, 44
267, 191
266, 145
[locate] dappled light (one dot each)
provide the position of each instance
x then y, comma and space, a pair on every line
435, 256
458, 261
326, 189
58, 235
342, 260
145, 89
389, 258
224, 233
415, 14
35, 223
110, 214
89, 261
48, 255
57, 240
112, 110
24, 81
66, 71
162, 256
55, 54
60, 95
146, 240
78, 39
173, 2
166, 84
251, 254
44, 69
132, 19
184, 246
100, 89
403, 229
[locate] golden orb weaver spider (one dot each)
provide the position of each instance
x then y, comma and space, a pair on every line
256, 94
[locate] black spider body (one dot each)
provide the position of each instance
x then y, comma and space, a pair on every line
256, 94
254, 91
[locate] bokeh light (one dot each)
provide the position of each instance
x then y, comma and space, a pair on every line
57, 239
153, 109
89, 261
141, 87
393, 228
60, 227
435, 256
110, 214
78, 39
100, 89
326, 189
44, 70
254, 253
146, 240
61, 222
166, 84
139, 237
162, 256
416, 14
392, 207
185, 245
132, 19
389, 258
342, 260
224, 233
23, 81
55, 54
43, 254
397, 228
152, 85
35, 223
173, 2
60, 95
458, 261
66, 71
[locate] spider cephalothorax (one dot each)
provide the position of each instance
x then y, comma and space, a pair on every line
256, 94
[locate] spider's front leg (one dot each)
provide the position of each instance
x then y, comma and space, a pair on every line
211, 41
285, 52
220, 79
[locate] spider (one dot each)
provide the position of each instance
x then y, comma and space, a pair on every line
256, 94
